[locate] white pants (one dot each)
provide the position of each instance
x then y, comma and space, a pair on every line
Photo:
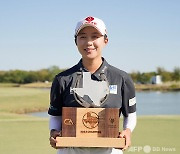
89, 151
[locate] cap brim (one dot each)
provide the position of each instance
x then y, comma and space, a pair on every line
86, 25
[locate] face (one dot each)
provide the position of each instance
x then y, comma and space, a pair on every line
90, 43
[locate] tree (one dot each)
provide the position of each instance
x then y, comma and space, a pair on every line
134, 76
166, 76
14, 76
53, 70
43, 75
2, 76
31, 76
160, 70
176, 74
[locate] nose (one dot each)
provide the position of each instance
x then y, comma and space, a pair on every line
89, 41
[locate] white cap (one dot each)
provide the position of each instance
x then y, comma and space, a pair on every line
91, 21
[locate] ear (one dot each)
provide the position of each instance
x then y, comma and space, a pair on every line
106, 40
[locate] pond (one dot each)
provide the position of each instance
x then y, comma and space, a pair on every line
149, 103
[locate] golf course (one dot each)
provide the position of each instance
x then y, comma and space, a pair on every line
25, 134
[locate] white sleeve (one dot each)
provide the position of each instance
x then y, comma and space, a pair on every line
55, 122
130, 121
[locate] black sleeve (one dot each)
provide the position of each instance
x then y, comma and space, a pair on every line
128, 96
55, 108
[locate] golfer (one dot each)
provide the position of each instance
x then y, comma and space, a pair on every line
102, 86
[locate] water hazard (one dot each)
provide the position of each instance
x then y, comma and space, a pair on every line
150, 103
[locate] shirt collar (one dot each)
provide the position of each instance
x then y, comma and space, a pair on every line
101, 69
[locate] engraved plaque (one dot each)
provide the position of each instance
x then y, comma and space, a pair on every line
90, 127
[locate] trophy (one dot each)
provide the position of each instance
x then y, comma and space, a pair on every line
90, 126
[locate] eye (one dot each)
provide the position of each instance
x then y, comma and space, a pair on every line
82, 37
95, 36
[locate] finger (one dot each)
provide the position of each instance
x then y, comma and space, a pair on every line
126, 146
121, 135
53, 142
128, 143
60, 133
55, 134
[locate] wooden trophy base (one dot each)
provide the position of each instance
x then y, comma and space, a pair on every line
90, 127
90, 142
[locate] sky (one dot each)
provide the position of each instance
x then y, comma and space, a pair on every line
37, 34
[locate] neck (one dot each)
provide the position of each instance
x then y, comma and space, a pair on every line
92, 65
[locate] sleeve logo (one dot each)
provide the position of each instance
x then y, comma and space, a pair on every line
132, 101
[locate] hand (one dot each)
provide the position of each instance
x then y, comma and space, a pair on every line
53, 134
127, 135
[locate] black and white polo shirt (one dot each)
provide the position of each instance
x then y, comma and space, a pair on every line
108, 87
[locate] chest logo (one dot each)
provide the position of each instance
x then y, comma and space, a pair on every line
113, 89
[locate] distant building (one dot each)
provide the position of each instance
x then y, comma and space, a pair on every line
46, 82
156, 79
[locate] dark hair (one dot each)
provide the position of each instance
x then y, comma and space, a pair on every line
75, 38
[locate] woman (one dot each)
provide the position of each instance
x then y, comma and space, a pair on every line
91, 38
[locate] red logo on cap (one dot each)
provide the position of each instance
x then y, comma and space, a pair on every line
89, 19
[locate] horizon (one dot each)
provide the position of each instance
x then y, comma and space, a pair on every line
135, 71
143, 35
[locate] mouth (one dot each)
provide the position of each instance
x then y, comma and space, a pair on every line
89, 50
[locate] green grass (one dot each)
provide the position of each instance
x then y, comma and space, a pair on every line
23, 100
9, 85
19, 133
23, 134
37, 85
158, 132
